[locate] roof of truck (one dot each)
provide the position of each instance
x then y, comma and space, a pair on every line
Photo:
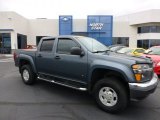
68, 36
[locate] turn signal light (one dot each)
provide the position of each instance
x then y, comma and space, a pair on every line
138, 77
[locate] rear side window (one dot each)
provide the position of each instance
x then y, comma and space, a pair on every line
65, 45
47, 45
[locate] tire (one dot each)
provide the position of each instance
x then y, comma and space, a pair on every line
110, 95
27, 74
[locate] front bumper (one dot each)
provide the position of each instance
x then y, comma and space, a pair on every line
141, 90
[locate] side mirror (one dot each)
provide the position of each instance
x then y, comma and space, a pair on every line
76, 51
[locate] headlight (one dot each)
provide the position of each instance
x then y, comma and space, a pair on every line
142, 72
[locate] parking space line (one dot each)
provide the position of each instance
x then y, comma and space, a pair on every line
6, 60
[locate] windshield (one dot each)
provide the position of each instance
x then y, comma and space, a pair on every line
153, 51
116, 48
92, 44
124, 50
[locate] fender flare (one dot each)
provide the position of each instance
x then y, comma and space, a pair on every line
29, 59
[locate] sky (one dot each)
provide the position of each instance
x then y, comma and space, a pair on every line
51, 9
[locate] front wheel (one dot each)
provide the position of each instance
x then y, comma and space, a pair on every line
28, 76
110, 95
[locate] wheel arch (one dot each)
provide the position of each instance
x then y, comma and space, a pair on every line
24, 60
100, 73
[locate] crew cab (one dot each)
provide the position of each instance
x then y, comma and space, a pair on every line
84, 64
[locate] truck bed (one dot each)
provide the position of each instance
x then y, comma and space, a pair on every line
30, 52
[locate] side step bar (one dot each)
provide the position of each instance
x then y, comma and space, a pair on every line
52, 81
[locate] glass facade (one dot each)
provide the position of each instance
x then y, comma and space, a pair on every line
100, 27
149, 29
120, 40
5, 43
147, 43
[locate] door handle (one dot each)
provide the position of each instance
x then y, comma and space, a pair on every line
39, 55
57, 57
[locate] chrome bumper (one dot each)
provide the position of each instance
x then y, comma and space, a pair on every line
147, 86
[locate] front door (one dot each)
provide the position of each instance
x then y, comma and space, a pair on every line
73, 67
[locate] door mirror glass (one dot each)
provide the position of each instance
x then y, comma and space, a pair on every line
76, 51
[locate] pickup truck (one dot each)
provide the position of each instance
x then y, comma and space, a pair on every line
84, 64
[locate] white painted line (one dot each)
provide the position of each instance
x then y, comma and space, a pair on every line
7, 60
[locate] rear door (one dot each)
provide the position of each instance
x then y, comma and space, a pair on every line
44, 57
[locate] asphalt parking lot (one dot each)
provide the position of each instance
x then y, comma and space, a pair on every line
46, 101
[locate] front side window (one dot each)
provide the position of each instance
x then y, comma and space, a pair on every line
47, 45
65, 45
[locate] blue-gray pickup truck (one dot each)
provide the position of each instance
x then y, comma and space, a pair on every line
85, 64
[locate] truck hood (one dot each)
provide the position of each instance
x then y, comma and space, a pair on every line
122, 58
136, 59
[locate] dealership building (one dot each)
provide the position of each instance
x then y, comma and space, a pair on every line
140, 29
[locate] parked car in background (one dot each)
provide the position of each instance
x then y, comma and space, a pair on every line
115, 45
115, 48
136, 51
154, 54
124, 50
131, 51
31, 47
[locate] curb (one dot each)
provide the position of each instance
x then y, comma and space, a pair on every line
6, 55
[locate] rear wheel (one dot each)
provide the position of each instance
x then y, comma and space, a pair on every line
27, 74
110, 95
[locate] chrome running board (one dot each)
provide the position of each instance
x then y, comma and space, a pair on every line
52, 81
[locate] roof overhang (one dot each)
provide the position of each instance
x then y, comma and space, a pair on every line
7, 30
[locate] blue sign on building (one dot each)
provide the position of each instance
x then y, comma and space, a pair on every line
100, 28
65, 25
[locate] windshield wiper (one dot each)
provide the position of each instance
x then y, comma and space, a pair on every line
98, 51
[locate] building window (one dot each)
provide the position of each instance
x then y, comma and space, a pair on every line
154, 43
147, 43
153, 29
38, 38
21, 41
148, 29
120, 40
140, 43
